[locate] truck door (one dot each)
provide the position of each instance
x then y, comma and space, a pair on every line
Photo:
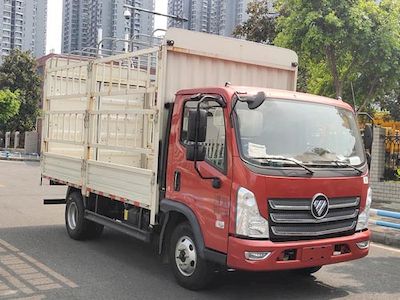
209, 204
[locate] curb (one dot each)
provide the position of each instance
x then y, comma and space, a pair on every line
19, 159
386, 236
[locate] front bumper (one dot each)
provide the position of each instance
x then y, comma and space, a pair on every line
308, 253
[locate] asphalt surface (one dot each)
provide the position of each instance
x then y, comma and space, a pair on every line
39, 261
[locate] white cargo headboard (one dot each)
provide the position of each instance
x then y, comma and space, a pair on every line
197, 59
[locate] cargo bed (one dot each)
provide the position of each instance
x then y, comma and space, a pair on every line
103, 118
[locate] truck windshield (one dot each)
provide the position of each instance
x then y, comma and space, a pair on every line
287, 132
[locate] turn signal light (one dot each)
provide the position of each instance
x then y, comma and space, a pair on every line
363, 245
256, 255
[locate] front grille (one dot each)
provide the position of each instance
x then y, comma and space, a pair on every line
291, 219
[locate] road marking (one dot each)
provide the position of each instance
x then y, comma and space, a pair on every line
28, 277
49, 271
20, 266
8, 246
40, 281
37, 297
7, 293
15, 282
22, 274
46, 287
385, 247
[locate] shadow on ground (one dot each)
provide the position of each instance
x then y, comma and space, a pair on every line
117, 266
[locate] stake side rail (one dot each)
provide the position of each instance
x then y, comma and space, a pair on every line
101, 127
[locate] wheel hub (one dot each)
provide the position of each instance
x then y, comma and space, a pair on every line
72, 215
185, 256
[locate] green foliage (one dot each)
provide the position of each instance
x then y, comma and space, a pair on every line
343, 43
391, 103
260, 27
9, 105
18, 73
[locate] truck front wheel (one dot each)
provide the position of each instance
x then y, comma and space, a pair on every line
78, 227
190, 270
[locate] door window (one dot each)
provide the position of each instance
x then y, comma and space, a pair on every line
215, 137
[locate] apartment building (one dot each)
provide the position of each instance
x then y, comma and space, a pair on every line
23, 26
85, 22
212, 16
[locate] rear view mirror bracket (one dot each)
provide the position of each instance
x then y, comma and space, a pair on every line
197, 129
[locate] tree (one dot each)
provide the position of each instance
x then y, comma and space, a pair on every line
9, 105
345, 47
391, 103
260, 27
18, 73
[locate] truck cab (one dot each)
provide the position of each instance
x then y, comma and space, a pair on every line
273, 179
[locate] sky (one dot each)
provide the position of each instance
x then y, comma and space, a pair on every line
54, 22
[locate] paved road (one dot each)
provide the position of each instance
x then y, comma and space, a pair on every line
39, 261
21, 196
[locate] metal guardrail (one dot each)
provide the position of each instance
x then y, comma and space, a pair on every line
392, 157
385, 214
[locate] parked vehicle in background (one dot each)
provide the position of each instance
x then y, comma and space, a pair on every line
252, 176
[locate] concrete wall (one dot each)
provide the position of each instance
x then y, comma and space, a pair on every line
31, 142
386, 194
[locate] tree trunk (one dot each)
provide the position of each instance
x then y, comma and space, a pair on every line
331, 58
368, 98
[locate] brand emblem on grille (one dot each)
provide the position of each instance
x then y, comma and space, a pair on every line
319, 206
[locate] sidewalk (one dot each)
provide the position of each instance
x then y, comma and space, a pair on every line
18, 156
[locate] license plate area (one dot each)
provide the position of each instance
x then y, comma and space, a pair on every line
318, 254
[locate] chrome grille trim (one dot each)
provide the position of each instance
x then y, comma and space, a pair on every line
275, 219
318, 233
356, 202
291, 218
274, 204
287, 207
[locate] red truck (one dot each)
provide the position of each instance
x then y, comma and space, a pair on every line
231, 176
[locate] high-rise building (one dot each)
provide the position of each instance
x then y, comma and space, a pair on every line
212, 16
200, 14
23, 26
85, 22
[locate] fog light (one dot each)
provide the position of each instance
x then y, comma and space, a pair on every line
256, 255
363, 245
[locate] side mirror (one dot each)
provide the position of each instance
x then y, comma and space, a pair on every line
191, 154
197, 126
368, 137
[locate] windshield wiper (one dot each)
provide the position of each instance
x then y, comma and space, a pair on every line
341, 163
282, 158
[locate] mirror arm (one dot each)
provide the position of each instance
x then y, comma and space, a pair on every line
237, 99
362, 113
216, 181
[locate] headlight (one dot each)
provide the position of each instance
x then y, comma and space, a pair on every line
363, 217
249, 222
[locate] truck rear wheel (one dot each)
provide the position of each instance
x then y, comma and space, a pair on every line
190, 270
78, 227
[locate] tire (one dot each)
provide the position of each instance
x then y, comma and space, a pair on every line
78, 227
307, 271
190, 270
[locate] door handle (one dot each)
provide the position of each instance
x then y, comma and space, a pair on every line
177, 181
